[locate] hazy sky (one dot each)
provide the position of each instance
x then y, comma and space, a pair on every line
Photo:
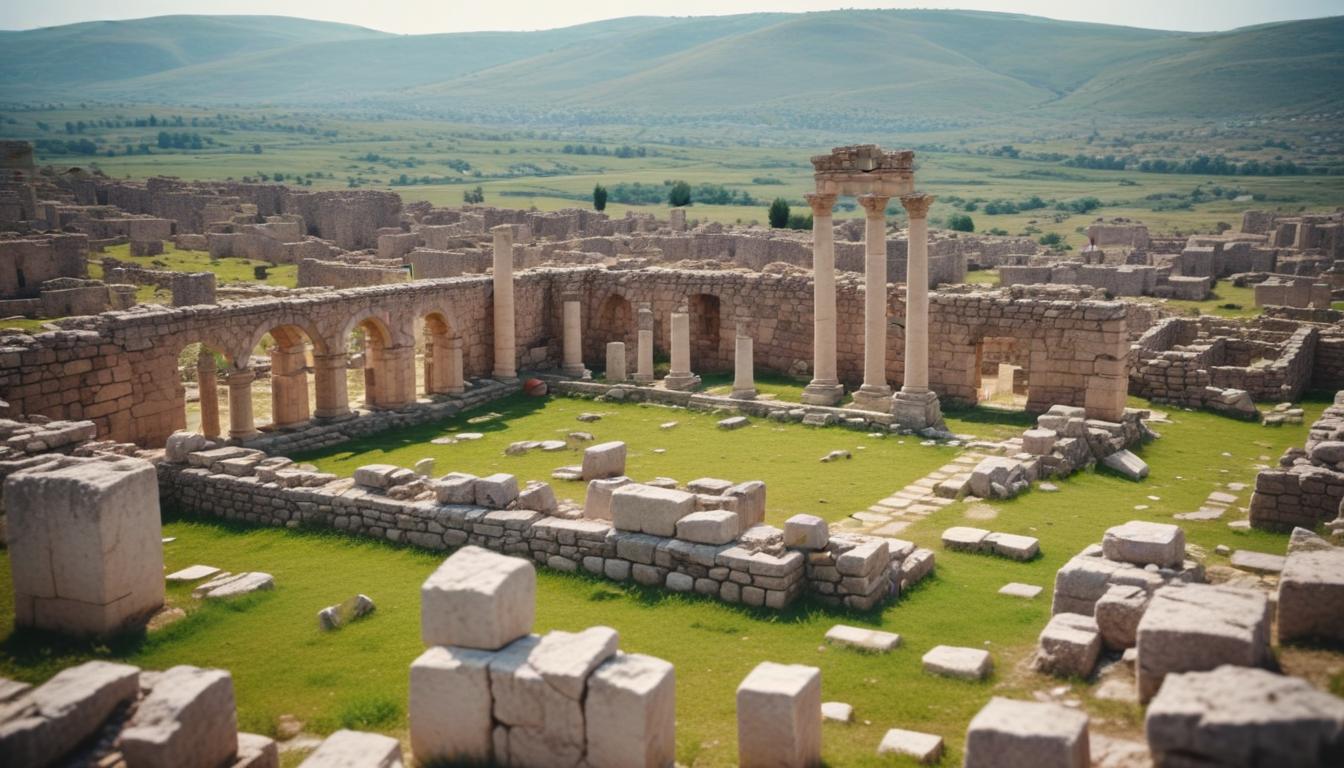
422, 16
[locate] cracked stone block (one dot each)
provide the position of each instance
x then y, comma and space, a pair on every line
538, 685
1118, 612
863, 639
1257, 562
451, 706
1197, 627
1143, 543
188, 720
1127, 464
182, 443
749, 502
229, 585
85, 545
1013, 546
963, 663
718, 526
597, 503
356, 749
478, 599
1068, 646
1086, 577
925, 748
49, 721
377, 476
1311, 595
604, 460
712, 486
806, 532
779, 717
630, 713
565, 659
961, 538
1244, 718
539, 497
455, 488
256, 751
496, 491
646, 509
1039, 442
1027, 734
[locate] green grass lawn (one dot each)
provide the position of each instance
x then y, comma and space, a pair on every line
357, 677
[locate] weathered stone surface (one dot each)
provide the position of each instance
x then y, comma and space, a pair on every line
376, 476
1302, 540
868, 558
925, 748
604, 460
1026, 734
49, 721
1244, 718
455, 488
997, 477
1016, 589
806, 532
715, 526
1127, 464
734, 422
1311, 595
646, 509
712, 486
597, 503
180, 444
1068, 646
344, 612
1118, 612
779, 717
1013, 546
749, 502
1197, 627
193, 573
961, 538
355, 749
565, 659
837, 711
188, 720
478, 599
1143, 543
1257, 562
451, 706
630, 713
229, 585
496, 491
256, 751
1085, 578
863, 639
964, 663
539, 497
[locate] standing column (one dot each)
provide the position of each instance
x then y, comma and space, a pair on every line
208, 387
916, 406
679, 376
875, 394
455, 383
506, 355
289, 386
615, 362
644, 357
573, 340
744, 380
241, 424
329, 382
396, 377
825, 388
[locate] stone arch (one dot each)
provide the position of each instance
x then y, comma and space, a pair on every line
615, 320
197, 364
442, 355
291, 362
388, 359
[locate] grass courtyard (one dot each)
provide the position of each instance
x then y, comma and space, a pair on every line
357, 677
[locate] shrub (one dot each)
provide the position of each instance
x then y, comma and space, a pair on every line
779, 213
679, 195
599, 197
960, 222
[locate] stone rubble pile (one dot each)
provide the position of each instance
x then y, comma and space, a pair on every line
1307, 488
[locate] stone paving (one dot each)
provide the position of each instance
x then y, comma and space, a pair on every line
893, 514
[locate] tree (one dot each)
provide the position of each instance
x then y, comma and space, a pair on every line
960, 222
779, 213
476, 195
599, 198
1051, 239
680, 194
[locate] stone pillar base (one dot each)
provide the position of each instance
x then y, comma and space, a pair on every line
743, 394
873, 398
684, 382
823, 393
642, 378
506, 378
917, 410
576, 372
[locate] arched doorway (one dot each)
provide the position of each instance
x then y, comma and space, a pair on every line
442, 356
615, 321
291, 361
706, 354
202, 391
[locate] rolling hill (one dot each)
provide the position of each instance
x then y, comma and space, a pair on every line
808, 69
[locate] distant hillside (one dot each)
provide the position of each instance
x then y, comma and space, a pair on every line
812, 69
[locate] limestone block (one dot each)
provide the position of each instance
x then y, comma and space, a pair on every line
565, 659
712, 486
455, 488
962, 538
1084, 579
863, 639
964, 663
748, 502
1127, 464
1017, 589
925, 748
230, 585
425, 467
604, 460
630, 713
779, 717
478, 599
715, 526
52, 719
180, 444
376, 476
997, 477
1233, 716
1039, 442
344, 612
451, 706
1068, 646
539, 497
256, 751
1311, 595
1143, 543
1013, 546
646, 509
1197, 627
496, 491
733, 422
1026, 734
85, 543
597, 502
866, 559
806, 532
1256, 562
1118, 612
188, 720
193, 573
356, 749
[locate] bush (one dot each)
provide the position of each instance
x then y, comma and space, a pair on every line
599, 198
779, 213
800, 221
960, 222
1051, 238
679, 195
476, 195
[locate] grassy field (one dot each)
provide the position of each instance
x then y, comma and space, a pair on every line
357, 677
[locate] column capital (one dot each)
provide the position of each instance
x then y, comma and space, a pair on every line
238, 377
917, 204
874, 205
821, 204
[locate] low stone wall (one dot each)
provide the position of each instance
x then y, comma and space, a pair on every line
338, 275
1307, 488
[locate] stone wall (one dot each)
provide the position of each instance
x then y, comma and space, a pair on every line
338, 275
26, 263
1308, 486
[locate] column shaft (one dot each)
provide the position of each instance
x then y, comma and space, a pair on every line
241, 423
506, 352
331, 391
679, 376
744, 379
207, 386
573, 339
644, 353
825, 387
875, 387
916, 406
